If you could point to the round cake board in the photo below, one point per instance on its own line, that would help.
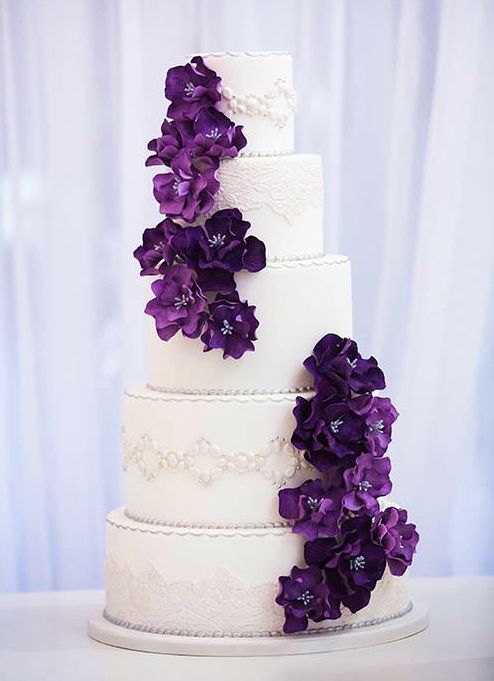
(412, 623)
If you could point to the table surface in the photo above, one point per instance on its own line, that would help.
(43, 637)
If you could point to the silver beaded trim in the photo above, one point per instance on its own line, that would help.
(227, 393)
(163, 394)
(203, 531)
(255, 634)
(209, 526)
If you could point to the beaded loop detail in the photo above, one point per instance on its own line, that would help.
(277, 104)
(277, 462)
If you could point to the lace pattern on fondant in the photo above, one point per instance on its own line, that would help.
(287, 190)
(220, 604)
(277, 462)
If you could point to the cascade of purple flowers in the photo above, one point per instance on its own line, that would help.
(344, 431)
(196, 292)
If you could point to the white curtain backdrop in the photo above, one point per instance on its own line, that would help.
(398, 97)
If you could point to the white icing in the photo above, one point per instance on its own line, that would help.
(248, 77)
(282, 198)
(218, 582)
(296, 303)
(232, 474)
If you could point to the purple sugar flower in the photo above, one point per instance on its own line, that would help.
(178, 304)
(328, 431)
(219, 249)
(397, 537)
(379, 419)
(190, 89)
(231, 326)
(368, 480)
(315, 508)
(337, 363)
(352, 563)
(157, 247)
(174, 138)
(216, 135)
(304, 596)
(186, 192)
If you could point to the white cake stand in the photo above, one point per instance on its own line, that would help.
(409, 624)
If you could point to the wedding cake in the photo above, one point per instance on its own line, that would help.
(254, 455)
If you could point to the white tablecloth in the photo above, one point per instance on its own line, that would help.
(43, 638)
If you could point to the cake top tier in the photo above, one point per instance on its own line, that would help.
(257, 92)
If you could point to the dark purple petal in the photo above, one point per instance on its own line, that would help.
(231, 326)
(178, 304)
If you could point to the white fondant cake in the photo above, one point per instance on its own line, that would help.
(199, 546)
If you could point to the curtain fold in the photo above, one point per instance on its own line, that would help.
(396, 96)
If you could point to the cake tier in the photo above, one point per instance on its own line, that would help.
(209, 460)
(214, 582)
(257, 92)
(282, 198)
(297, 302)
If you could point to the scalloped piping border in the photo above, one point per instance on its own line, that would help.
(261, 154)
(307, 262)
(164, 631)
(165, 395)
(271, 53)
(211, 392)
(203, 531)
(209, 526)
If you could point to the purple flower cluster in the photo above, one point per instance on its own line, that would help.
(195, 263)
(344, 431)
(192, 142)
(197, 293)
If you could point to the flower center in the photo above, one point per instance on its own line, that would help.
(189, 89)
(306, 597)
(217, 240)
(182, 301)
(176, 186)
(377, 425)
(335, 425)
(213, 134)
(158, 246)
(312, 503)
(352, 362)
(363, 486)
(227, 328)
(357, 563)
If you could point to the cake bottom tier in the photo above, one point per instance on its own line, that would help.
(202, 582)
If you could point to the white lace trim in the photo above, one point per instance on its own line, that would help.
(223, 604)
(277, 462)
(288, 189)
(164, 631)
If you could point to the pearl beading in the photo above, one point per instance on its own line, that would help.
(180, 524)
(200, 530)
(227, 393)
(256, 634)
(277, 104)
(277, 462)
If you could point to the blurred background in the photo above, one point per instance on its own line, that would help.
(398, 98)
